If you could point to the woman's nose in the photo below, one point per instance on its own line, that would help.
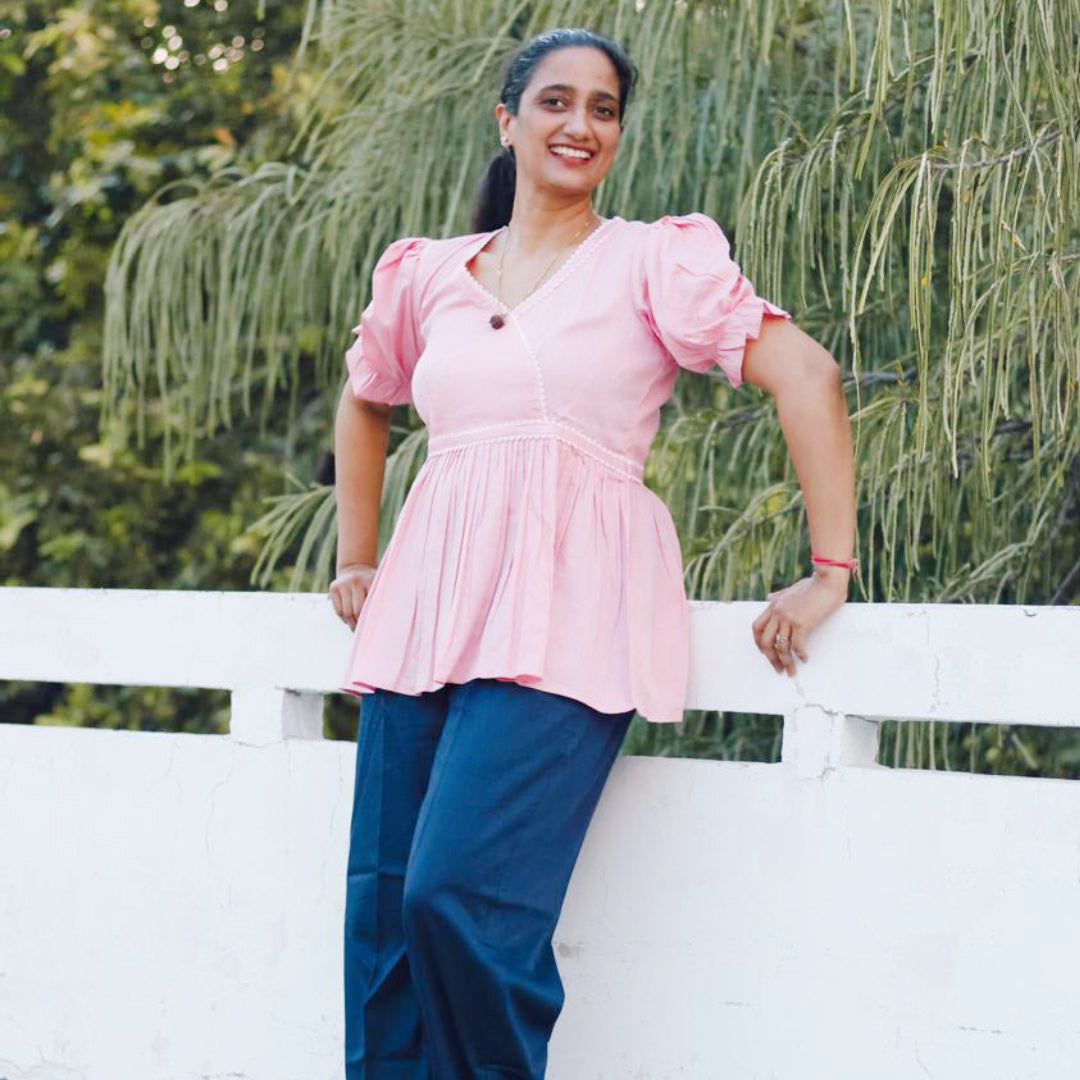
(577, 124)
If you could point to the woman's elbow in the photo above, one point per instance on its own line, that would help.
(826, 366)
(784, 357)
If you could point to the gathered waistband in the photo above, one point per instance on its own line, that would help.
(537, 429)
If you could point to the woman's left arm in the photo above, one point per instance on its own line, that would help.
(804, 380)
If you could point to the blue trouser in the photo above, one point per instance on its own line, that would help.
(470, 807)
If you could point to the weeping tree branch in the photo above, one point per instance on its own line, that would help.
(960, 272)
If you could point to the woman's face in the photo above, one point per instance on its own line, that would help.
(572, 102)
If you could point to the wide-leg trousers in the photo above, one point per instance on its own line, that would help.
(471, 803)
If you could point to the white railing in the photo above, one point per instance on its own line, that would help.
(172, 904)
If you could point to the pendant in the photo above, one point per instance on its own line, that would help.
(497, 320)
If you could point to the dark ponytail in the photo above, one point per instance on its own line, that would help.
(495, 194)
(494, 201)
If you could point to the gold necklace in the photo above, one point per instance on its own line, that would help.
(499, 319)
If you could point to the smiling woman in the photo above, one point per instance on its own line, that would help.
(531, 598)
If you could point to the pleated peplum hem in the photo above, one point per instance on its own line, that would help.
(521, 556)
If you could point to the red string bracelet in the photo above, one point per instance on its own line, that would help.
(851, 564)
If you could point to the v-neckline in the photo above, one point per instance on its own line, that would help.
(545, 286)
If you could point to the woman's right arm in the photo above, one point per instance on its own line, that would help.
(361, 436)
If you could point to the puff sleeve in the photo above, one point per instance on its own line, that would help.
(693, 296)
(388, 342)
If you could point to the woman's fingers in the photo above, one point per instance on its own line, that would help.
(798, 643)
(342, 601)
(349, 605)
(770, 623)
(759, 625)
(348, 598)
(783, 649)
(335, 600)
(766, 627)
(358, 590)
(792, 613)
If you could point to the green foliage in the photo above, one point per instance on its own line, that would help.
(91, 125)
(132, 708)
(862, 155)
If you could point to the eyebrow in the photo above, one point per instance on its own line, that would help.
(563, 86)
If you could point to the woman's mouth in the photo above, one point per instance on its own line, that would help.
(572, 156)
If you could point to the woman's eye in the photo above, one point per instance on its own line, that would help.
(604, 109)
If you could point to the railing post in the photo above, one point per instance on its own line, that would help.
(267, 714)
(817, 739)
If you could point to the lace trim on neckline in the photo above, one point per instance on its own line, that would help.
(546, 286)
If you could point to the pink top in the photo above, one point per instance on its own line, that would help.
(528, 548)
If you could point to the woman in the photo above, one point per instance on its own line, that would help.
(531, 597)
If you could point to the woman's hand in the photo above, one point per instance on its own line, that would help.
(792, 613)
(349, 590)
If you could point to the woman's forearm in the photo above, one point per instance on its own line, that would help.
(815, 422)
(361, 436)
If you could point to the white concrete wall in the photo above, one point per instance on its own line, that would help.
(172, 904)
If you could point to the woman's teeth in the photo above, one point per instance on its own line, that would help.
(564, 151)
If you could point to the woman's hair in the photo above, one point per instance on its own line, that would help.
(495, 193)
